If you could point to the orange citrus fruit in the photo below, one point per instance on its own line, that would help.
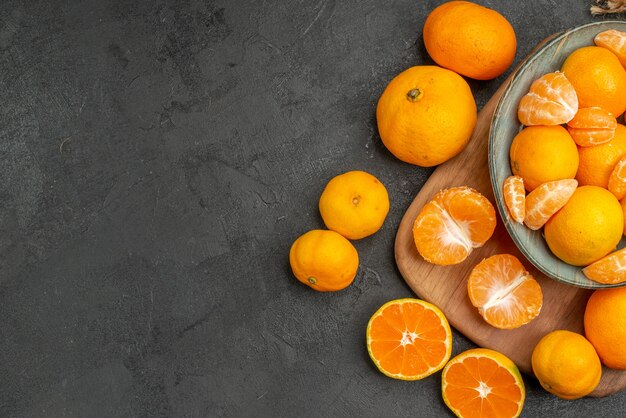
(409, 339)
(355, 204)
(506, 295)
(587, 228)
(426, 115)
(608, 270)
(469, 39)
(515, 197)
(551, 100)
(483, 383)
(452, 224)
(540, 154)
(546, 200)
(598, 77)
(614, 41)
(592, 126)
(324, 260)
(605, 325)
(596, 163)
(617, 179)
(566, 364)
(623, 205)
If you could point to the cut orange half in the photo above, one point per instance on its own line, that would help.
(551, 100)
(483, 383)
(451, 225)
(608, 270)
(506, 295)
(409, 339)
(592, 126)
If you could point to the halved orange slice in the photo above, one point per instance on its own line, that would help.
(610, 269)
(451, 225)
(592, 126)
(551, 100)
(409, 339)
(506, 295)
(483, 383)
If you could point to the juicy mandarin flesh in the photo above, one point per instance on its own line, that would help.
(605, 325)
(506, 295)
(551, 100)
(452, 224)
(482, 383)
(597, 163)
(587, 228)
(540, 154)
(546, 200)
(409, 339)
(515, 197)
(324, 260)
(426, 115)
(566, 364)
(608, 270)
(470, 39)
(355, 204)
(592, 126)
(598, 77)
(617, 179)
(614, 41)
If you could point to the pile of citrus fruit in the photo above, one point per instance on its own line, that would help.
(569, 166)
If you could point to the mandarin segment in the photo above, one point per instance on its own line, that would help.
(551, 100)
(409, 339)
(617, 179)
(506, 295)
(592, 126)
(452, 224)
(515, 197)
(483, 383)
(608, 270)
(614, 41)
(546, 200)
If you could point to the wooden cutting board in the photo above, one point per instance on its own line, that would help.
(563, 305)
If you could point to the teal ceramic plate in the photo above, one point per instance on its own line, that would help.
(504, 127)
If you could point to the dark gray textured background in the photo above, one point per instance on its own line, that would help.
(158, 158)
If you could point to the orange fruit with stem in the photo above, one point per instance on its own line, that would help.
(592, 126)
(598, 77)
(355, 204)
(540, 154)
(587, 228)
(566, 364)
(551, 100)
(409, 339)
(614, 41)
(483, 383)
(617, 179)
(546, 200)
(515, 197)
(452, 224)
(608, 270)
(506, 295)
(324, 260)
(605, 325)
(426, 115)
(595, 164)
(470, 39)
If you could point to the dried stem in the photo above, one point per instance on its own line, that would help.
(604, 7)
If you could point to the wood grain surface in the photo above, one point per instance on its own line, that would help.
(445, 286)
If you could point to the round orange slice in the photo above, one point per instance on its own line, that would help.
(409, 339)
(610, 269)
(546, 200)
(617, 179)
(515, 197)
(551, 100)
(592, 126)
(506, 295)
(451, 225)
(483, 383)
(614, 41)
